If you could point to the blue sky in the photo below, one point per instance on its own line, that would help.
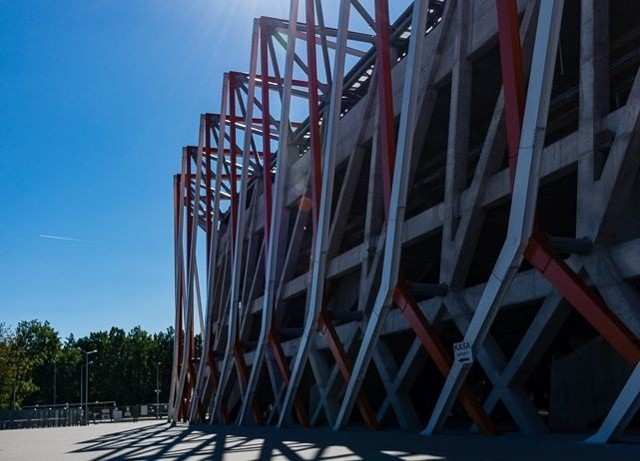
(96, 99)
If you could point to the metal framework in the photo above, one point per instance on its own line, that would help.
(349, 200)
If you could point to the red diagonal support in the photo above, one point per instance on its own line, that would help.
(440, 356)
(244, 377)
(345, 366)
(215, 379)
(324, 320)
(386, 130)
(402, 298)
(285, 372)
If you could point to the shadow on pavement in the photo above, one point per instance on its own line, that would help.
(181, 442)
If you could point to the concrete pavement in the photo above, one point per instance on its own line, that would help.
(154, 440)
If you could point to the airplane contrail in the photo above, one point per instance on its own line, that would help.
(57, 237)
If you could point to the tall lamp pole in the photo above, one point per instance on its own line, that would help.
(55, 383)
(157, 390)
(81, 385)
(86, 382)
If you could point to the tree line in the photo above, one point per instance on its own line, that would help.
(39, 368)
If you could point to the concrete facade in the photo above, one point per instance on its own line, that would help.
(302, 304)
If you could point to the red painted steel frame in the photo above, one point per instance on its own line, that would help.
(238, 353)
(538, 253)
(386, 133)
(285, 372)
(440, 356)
(512, 77)
(274, 341)
(402, 297)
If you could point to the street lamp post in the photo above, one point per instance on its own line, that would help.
(81, 385)
(55, 391)
(15, 379)
(86, 382)
(157, 390)
(55, 383)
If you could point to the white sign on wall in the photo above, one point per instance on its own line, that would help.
(462, 352)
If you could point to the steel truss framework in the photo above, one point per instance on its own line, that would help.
(325, 137)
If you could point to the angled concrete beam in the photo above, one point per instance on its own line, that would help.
(395, 214)
(522, 206)
(321, 245)
(272, 267)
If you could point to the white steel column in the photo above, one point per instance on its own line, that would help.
(395, 222)
(213, 252)
(239, 241)
(272, 271)
(523, 203)
(321, 246)
(191, 269)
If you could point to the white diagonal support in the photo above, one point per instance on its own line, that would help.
(191, 269)
(523, 203)
(395, 217)
(321, 244)
(239, 237)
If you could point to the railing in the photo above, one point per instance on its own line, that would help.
(73, 415)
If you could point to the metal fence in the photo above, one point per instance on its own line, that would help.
(40, 417)
(74, 415)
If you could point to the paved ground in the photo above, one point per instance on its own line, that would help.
(152, 440)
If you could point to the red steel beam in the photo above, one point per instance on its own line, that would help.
(345, 366)
(324, 320)
(215, 378)
(512, 77)
(285, 372)
(387, 143)
(441, 357)
(244, 377)
(586, 302)
(583, 299)
(386, 130)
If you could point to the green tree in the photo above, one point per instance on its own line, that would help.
(37, 350)
(8, 366)
(123, 369)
